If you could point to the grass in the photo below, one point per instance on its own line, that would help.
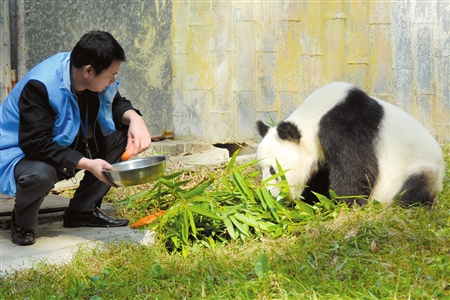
(376, 252)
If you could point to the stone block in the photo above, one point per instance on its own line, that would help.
(266, 81)
(244, 62)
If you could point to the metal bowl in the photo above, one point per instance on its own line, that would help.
(137, 171)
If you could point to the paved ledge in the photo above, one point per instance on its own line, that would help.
(176, 148)
(56, 244)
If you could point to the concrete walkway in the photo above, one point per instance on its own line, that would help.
(56, 244)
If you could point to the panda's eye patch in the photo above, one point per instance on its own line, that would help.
(272, 171)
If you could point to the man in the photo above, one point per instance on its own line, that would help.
(66, 115)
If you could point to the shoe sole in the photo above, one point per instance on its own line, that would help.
(76, 225)
(24, 244)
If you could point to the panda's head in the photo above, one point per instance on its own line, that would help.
(285, 144)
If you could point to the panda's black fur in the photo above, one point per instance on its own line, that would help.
(353, 129)
(355, 165)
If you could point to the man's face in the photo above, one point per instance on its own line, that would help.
(99, 82)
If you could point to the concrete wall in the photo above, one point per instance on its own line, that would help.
(5, 50)
(143, 28)
(235, 61)
(207, 70)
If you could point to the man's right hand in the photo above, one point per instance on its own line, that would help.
(96, 167)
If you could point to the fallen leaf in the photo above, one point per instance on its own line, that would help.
(163, 136)
(351, 233)
(373, 246)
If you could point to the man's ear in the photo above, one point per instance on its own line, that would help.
(88, 71)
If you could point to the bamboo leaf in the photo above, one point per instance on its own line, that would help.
(304, 207)
(280, 174)
(181, 183)
(184, 251)
(173, 175)
(232, 161)
(175, 241)
(278, 231)
(201, 211)
(239, 226)
(185, 228)
(167, 183)
(226, 183)
(131, 200)
(171, 213)
(192, 223)
(198, 189)
(281, 171)
(243, 186)
(296, 216)
(159, 193)
(246, 228)
(261, 197)
(230, 228)
(268, 199)
(250, 222)
(333, 194)
(136, 196)
(252, 174)
(325, 201)
(246, 165)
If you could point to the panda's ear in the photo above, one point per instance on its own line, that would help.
(289, 131)
(262, 128)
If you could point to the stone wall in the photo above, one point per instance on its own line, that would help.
(207, 70)
(238, 61)
(143, 28)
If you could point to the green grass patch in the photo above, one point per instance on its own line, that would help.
(330, 251)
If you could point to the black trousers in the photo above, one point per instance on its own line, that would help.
(35, 180)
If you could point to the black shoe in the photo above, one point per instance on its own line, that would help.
(20, 236)
(96, 218)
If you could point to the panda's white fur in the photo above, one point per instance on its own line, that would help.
(376, 150)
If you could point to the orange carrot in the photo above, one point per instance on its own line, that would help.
(148, 219)
(128, 153)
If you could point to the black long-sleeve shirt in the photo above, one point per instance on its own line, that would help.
(37, 119)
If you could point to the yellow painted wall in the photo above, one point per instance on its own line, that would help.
(236, 62)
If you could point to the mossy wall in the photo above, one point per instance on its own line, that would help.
(143, 28)
(235, 62)
(207, 70)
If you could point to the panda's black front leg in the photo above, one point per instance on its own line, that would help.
(319, 182)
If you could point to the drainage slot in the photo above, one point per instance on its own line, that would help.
(233, 147)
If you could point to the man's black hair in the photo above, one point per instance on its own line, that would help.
(97, 48)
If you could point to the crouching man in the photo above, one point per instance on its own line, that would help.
(66, 115)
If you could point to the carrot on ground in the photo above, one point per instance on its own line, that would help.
(147, 219)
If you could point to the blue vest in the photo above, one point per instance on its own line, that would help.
(54, 73)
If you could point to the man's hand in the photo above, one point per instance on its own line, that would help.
(96, 167)
(138, 134)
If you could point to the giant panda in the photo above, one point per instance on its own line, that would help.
(356, 145)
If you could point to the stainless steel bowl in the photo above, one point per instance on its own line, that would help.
(137, 171)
